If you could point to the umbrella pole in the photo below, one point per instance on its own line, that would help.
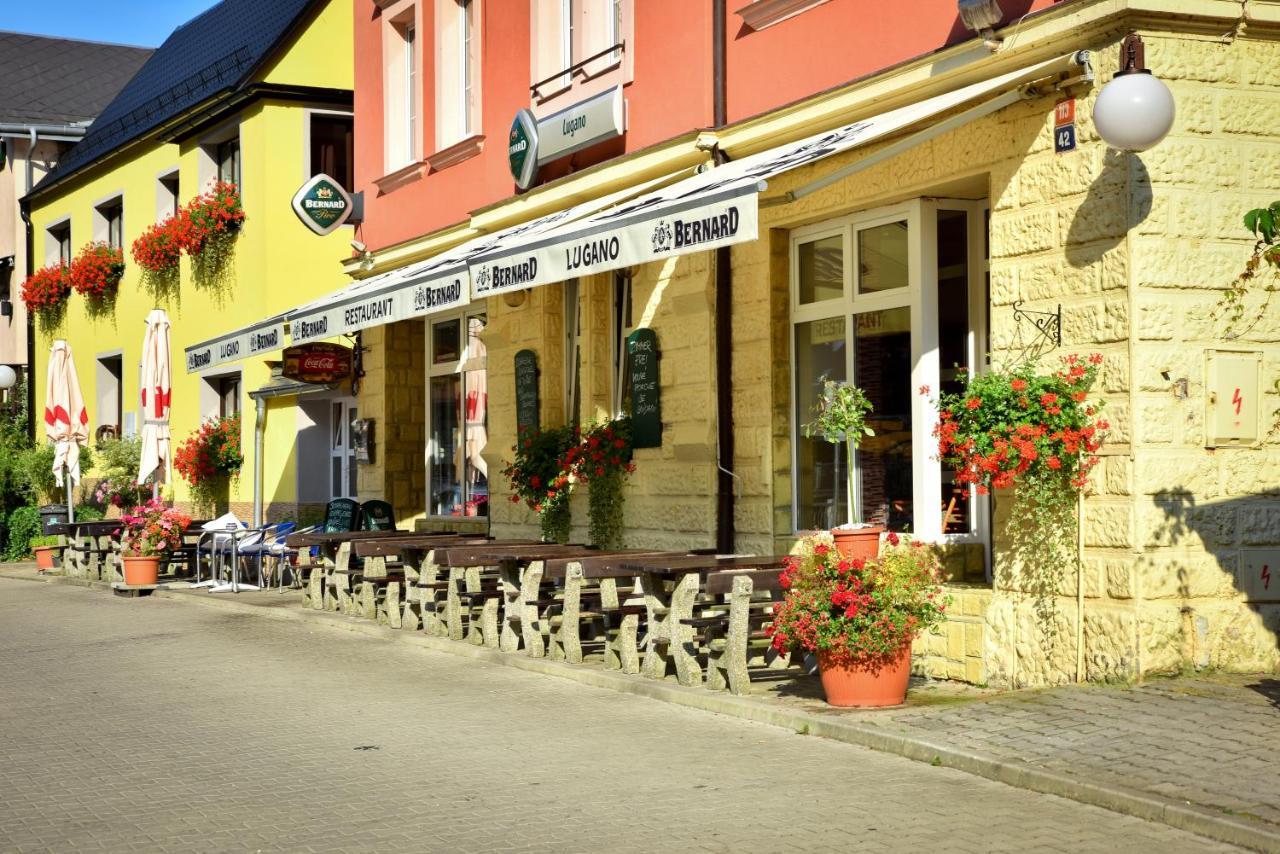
(71, 507)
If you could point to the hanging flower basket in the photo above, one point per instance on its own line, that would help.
(209, 459)
(157, 250)
(96, 272)
(46, 290)
(537, 479)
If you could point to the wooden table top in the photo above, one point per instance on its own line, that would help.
(383, 547)
(602, 564)
(321, 538)
(673, 566)
(94, 528)
(504, 550)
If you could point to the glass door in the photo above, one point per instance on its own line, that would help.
(343, 481)
(457, 417)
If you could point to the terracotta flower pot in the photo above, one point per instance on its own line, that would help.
(141, 570)
(44, 557)
(877, 683)
(856, 543)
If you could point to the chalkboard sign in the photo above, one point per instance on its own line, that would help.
(340, 515)
(527, 419)
(646, 389)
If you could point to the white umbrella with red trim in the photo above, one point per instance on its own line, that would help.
(66, 421)
(157, 394)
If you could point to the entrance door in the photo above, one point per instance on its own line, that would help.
(342, 456)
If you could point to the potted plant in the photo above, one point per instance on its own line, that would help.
(45, 549)
(859, 616)
(602, 460)
(840, 417)
(149, 532)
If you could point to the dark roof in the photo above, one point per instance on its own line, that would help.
(215, 52)
(54, 81)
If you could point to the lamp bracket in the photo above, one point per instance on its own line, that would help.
(1048, 324)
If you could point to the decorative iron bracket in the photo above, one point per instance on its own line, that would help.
(1048, 324)
(357, 359)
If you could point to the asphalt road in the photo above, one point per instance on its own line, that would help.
(155, 725)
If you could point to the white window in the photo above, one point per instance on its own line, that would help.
(457, 416)
(343, 482)
(579, 44)
(228, 158)
(621, 327)
(457, 71)
(58, 243)
(167, 198)
(572, 352)
(401, 86)
(890, 300)
(108, 222)
(109, 384)
(220, 395)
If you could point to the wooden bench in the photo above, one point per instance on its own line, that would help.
(730, 631)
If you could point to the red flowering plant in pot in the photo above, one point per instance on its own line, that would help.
(538, 479)
(1037, 434)
(840, 417)
(45, 293)
(96, 272)
(209, 459)
(148, 533)
(859, 615)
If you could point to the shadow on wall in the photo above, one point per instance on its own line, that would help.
(1103, 219)
(1241, 542)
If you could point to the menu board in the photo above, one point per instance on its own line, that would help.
(646, 389)
(527, 391)
(340, 516)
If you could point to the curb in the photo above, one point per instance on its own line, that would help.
(1178, 814)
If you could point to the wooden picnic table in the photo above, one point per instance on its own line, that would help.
(333, 548)
(91, 550)
(670, 585)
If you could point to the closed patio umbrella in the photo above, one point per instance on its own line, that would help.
(66, 421)
(157, 391)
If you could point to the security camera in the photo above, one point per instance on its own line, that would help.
(359, 247)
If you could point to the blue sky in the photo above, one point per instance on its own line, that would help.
(137, 22)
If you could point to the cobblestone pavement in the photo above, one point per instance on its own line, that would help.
(152, 725)
(1211, 741)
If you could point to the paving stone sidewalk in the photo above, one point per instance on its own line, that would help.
(154, 725)
(1211, 741)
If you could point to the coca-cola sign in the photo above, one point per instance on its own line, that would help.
(317, 363)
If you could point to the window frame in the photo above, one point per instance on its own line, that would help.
(220, 149)
(103, 221)
(920, 297)
(576, 26)
(165, 195)
(309, 169)
(465, 364)
(58, 246)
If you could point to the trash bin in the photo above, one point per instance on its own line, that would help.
(50, 515)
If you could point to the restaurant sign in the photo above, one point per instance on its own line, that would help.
(322, 204)
(317, 363)
(265, 338)
(432, 291)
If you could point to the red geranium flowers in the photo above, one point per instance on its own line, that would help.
(46, 289)
(96, 272)
(215, 213)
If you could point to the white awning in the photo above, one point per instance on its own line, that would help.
(434, 285)
(718, 207)
(262, 337)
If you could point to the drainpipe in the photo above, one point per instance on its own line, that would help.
(24, 209)
(259, 432)
(725, 498)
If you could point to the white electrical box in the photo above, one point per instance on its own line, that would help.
(1233, 381)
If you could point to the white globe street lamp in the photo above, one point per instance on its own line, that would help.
(1135, 111)
(8, 378)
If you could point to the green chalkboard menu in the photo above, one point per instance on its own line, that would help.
(527, 391)
(646, 389)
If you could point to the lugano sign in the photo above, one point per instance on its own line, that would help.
(622, 238)
(534, 142)
(263, 338)
(322, 204)
(436, 290)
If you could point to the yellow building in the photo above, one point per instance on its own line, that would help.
(254, 93)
